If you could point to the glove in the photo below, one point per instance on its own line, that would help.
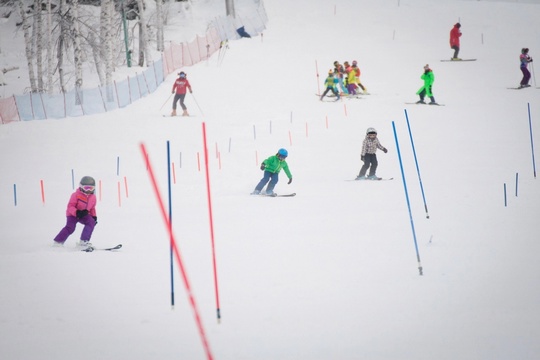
(385, 150)
(290, 181)
(362, 157)
(263, 166)
(81, 213)
(95, 219)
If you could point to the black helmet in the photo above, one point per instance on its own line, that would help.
(87, 185)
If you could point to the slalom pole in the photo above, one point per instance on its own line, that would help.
(407, 198)
(193, 96)
(532, 142)
(318, 83)
(178, 256)
(171, 260)
(211, 222)
(416, 162)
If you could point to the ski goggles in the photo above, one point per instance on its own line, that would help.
(88, 189)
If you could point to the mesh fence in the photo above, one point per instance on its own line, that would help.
(79, 102)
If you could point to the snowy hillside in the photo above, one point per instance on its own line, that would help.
(329, 274)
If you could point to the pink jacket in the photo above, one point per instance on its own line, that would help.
(81, 201)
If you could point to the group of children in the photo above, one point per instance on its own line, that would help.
(343, 80)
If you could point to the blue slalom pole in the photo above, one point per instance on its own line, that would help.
(532, 142)
(416, 162)
(407, 198)
(170, 221)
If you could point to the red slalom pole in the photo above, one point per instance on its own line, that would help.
(318, 85)
(42, 192)
(179, 261)
(211, 221)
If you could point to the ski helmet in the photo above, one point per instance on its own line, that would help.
(354, 62)
(282, 153)
(87, 184)
(331, 72)
(182, 74)
(371, 131)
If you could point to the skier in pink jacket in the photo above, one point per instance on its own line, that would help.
(81, 208)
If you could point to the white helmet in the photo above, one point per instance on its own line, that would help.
(371, 131)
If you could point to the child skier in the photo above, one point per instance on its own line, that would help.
(357, 75)
(180, 87)
(330, 84)
(338, 71)
(351, 78)
(81, 208)
(525, 59)
(271, 167)
(368, 156)
(427, 89)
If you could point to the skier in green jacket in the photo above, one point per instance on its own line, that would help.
(271, 167)
(427, 89)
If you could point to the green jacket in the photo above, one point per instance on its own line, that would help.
(274, 165)
(429, 79)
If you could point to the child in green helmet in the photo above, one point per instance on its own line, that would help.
(271, 167)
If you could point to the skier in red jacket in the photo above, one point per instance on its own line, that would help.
(455, 34)
(180, 86)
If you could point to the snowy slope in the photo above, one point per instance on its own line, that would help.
(329, 274)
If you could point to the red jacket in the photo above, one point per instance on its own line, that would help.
(180, 85)
(454, 36)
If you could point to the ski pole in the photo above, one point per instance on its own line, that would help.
(197, 104)
(534, 76)
(165, 102)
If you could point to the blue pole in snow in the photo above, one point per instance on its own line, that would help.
(170, 221)
(407, 198)
(416, 162)
(532, 142)
(15, 194)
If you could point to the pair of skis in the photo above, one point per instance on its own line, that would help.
(93, 248)
(276, 195)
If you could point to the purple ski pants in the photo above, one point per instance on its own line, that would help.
(88, 222)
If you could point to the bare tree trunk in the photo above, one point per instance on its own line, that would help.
(28, 46)
(77, 53)
(38, 31)
(159, 26)
(229, 7)
(106, 35)
(143, 38)
(96, 53)
(50, 50)
(63, 10)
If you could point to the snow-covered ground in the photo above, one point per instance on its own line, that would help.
(331, 273)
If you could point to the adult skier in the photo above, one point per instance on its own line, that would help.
(455, 34)
(180, 87)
